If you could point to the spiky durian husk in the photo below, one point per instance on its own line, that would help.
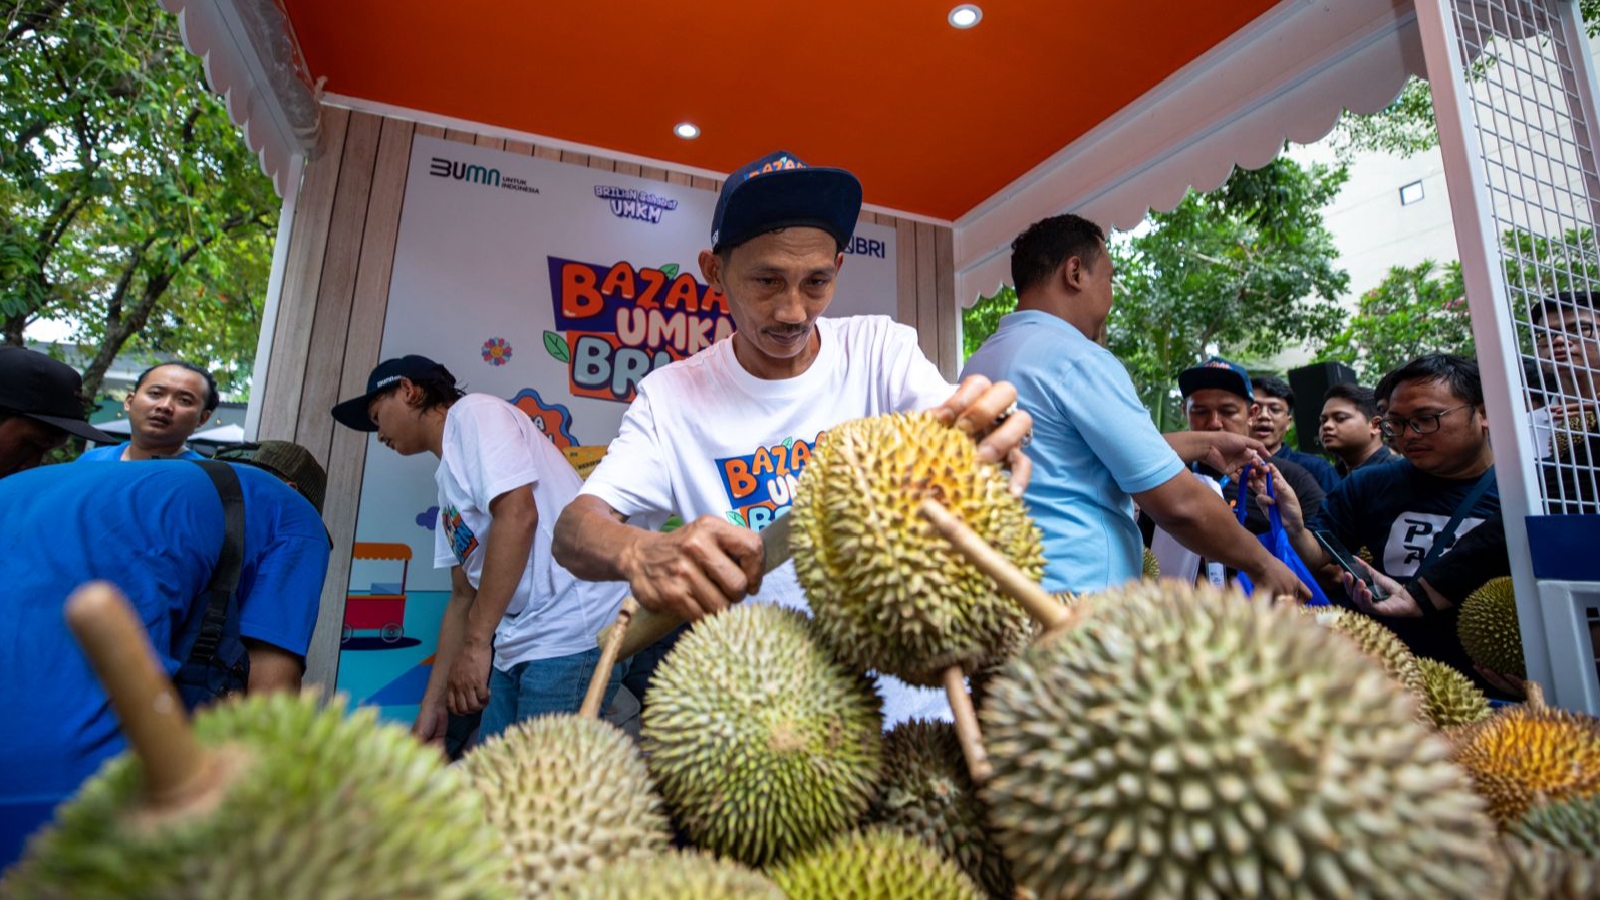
(570, 795)
(674, 876)
(1183, 743)
(887, 591)
(324, 803)
(1488, 628)
(1525, 755)
(1152, 566)
(762, 744)
(1449, 697)
(1540, 872)
(1571, 825)
(1375, 640)
(928, 794)
(874, 865)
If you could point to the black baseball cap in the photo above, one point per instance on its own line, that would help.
(47, 390)
(779, 191)
(1218, 373)
(352, 413)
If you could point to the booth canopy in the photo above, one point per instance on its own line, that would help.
(940, 123)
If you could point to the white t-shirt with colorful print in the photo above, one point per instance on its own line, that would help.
(704, 437)
(491, 447)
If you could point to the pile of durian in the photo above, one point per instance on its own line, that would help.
(1162, 741)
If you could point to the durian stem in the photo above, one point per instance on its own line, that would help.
(176, 767)
(608, 658)
(1535, 693)
(971, 737)
(1012, 581)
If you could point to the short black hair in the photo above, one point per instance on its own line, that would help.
(1363, 399)
(1273, 386)
(724, 251)
(212, 398)
(1048, 243)
(438, 389)
(1458, 373)
(1560, 300)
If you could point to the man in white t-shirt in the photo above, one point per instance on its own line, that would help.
(518, 635)
(720, 438)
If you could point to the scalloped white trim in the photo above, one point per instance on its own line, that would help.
(1286, 76)
(212, 32)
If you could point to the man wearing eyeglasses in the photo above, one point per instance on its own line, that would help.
(1410, 514)
(1566, 332)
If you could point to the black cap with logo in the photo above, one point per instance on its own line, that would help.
(352, 413)
(41, 388)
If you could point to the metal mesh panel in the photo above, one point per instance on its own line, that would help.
(1528, 91)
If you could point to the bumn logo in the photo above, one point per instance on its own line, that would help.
(461, 171)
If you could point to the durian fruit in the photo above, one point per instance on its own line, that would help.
(674, 876)
(1488, 628)
(887, 591)
(928, 794)
(1152, 566)
(1449, 697)
(323, 802)
(571, 796)
(874, 865)
(1375, 640)
(1181, 742)
(1541, 872)
(760, 741)
(1529, 754)
(1571, 825)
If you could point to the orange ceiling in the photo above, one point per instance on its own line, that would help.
(933, 120)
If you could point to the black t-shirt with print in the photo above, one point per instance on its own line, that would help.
(1395, 511)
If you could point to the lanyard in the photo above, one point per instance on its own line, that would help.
(1446, 536)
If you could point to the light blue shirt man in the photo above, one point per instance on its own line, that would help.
(1094, 446)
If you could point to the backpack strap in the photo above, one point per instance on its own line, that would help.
(225, 577)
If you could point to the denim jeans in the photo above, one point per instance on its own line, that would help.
(541, 687)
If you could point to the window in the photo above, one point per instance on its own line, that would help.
(1410, 193)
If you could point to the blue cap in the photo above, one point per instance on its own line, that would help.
(352, 413)
(780, 191)
(1218, 373)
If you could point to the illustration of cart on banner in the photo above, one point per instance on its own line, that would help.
(384, 607)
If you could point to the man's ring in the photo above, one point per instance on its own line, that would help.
(1005, 414)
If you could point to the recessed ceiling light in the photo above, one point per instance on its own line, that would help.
(686, 130)
(965, 16)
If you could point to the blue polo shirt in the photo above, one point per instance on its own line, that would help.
(113, 453)
(154, 529)
(1093, 446)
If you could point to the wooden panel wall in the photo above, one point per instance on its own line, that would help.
(336, 290)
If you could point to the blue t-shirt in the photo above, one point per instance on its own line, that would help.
(1396, 510)
(113, 453)
(1093, 446)
(1323, 471)
(155, 530)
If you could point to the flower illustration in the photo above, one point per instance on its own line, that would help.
(496, 352)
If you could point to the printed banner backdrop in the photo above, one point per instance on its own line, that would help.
(556, 287)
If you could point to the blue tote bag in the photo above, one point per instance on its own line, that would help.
(1277, 542)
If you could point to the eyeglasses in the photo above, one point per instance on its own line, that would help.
(1393, 426)
(1581, 331)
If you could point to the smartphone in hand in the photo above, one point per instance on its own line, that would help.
(1345, 560)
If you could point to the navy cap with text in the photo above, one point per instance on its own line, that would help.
(1219, 374)
(780, 191)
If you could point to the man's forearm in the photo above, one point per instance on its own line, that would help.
(505, 559)
(1191, 446)
(1206, 526)
(272, 668)
(452, 630)
(590, 541)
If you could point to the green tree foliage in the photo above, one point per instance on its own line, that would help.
(1248, 268)
(129, 205)
(1414, 310)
